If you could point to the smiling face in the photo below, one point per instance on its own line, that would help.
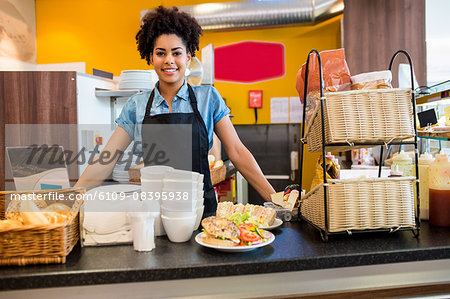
(170, 60)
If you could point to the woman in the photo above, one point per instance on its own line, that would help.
(168, 39)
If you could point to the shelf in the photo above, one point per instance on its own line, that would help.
(435, 93)
(434, 135)
(115, 93)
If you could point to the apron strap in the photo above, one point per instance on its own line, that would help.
(193, 100)
(150, 102)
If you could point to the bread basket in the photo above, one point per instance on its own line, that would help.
(39, 244)
(361, 204)
(363, 116)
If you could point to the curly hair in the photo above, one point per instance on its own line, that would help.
(164, 20)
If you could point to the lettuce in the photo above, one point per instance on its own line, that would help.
(239, 218)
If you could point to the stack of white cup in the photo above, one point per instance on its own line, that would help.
(178, 195)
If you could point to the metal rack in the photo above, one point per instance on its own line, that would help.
(325, 232)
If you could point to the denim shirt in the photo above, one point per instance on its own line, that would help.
(210, 105)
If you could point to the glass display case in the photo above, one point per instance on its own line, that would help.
(435, 97)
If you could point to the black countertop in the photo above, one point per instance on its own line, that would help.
(297, 247)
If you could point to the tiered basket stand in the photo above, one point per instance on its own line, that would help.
(361, 205)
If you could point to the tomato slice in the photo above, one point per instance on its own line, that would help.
(249, 236)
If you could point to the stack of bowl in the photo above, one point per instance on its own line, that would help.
(178, 196)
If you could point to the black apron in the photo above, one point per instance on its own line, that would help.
(200, 144)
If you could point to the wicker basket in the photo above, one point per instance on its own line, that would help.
(380, 115)
(361, 204)
(39, 244)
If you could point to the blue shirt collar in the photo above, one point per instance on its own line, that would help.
(182, 94)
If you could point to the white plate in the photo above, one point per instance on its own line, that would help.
(275, 224)
(270, 239)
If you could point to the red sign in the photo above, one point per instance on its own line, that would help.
(249, 62)
(255, 99)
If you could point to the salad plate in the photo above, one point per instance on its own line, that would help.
(269, 239)
(278, 222)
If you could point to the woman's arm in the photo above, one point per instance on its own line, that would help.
(241, 157)
(97, 172)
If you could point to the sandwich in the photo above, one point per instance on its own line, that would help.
(259, 215)
(220, 231)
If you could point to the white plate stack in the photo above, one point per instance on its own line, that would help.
(120, 174)
(138, 79)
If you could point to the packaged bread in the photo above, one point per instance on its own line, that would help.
(372, 80)
(256, 214)
(336, 74)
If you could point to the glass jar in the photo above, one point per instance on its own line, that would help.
(439, 192)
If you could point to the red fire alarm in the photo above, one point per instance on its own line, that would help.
(255, 99)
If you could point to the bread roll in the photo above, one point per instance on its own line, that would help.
(57, 207)
(10, 223)
(31, 214)
(56, 217)
(219, 242)
(221, 227)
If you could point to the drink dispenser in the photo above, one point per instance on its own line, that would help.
(439, 192)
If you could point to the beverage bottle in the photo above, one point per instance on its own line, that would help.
(439, 192)
(395, 173)
(424, 162)
(405, 164)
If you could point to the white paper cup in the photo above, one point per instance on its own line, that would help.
(179, 229)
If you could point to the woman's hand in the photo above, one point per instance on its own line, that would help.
(242, 159)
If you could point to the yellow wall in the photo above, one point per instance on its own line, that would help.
(102, 34)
